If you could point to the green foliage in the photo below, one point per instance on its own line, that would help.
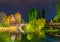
(22, 20)
(51, 31)
(29, 36)
(2, 17)
(4, 37)
(57, 17)
(32, 14)
(34, 28)
(4, 25)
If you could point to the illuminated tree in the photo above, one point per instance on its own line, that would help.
(34, 28)
(18, 17)
(57, 17)
(2, 17)
(32, 14)
(7, 20)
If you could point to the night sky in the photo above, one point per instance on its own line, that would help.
(23, 6)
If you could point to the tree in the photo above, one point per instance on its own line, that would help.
(57, 17)
(18, 17)
(34, 28)
(2, 17)
(7, 20)
(32, 14)
(43, 13)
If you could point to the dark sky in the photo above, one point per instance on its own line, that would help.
(23, 6)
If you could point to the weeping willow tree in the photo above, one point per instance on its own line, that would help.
(57, 17)
(32, 14)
